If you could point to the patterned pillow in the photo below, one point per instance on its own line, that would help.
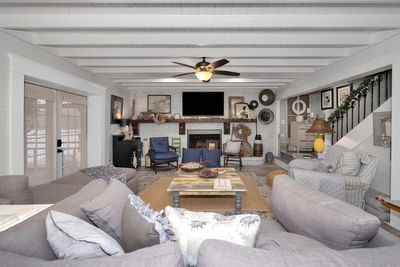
(192, 228)
(72, 238)
(349, 163)
(233, 147)
(161, 223)
(106, 173)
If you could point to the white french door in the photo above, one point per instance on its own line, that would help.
(55, 133)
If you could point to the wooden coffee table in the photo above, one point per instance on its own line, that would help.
(190, 184)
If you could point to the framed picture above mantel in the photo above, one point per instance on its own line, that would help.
(159, 103)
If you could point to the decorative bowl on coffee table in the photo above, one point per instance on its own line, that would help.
(191, 166)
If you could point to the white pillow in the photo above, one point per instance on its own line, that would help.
(72, 238)
(349, 163)
(192, 228)
(233, 147)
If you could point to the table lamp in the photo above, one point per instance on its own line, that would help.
(319, 127)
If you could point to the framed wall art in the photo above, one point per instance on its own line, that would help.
(117, 104)
(342, 93)
(159, 103)
(232, 100)
(242, 110)
(327, 99)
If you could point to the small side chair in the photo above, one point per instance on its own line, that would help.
(162, 153)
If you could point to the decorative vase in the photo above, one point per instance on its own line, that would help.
(258, 147)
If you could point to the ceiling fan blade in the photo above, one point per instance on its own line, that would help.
(227, 73)
(187, 73)
(218, 63)
(185, 65)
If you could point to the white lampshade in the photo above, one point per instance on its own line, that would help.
(203, 75)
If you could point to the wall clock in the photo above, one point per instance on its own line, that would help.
(266, 97)
(266, 116)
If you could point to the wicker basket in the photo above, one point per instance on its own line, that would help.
(186, 167)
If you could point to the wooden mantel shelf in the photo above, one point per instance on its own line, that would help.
(182, 123)
(198, 120)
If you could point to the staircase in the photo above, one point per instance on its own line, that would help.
(379, 89)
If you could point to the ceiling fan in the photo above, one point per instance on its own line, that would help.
(204, 70)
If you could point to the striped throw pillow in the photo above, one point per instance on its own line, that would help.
(349, 163)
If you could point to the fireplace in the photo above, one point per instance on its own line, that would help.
(207, 139)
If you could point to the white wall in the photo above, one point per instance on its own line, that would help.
(371, 60)
(361, 138)
(268, 132)
(20, 61)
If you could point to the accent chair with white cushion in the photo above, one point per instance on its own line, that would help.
(344, 174)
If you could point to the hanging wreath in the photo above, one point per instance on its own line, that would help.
(354, 96)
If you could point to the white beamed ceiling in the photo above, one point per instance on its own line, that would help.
(133, 43)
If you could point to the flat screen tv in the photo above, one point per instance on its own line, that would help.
(203, 103)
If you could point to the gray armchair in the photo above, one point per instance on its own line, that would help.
(14, 189)
(321, 175)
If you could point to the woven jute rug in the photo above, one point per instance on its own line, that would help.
(253, 200)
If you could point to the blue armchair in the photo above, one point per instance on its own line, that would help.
(211, 158)
(160, 153)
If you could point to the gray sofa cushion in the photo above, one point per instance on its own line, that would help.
(29, 237)
(53, 192)
(214, 253)
(15, 188)
(335, 223)
(161, 255)
(105, 210)
(137, 232)
(287, 242)
(76, 178)
(73, 238)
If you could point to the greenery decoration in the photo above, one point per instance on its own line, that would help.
(354, 96)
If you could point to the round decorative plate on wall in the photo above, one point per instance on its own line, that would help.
(266, 97)
(266, 116)
(253, 104)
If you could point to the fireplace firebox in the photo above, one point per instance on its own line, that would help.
(207, 139)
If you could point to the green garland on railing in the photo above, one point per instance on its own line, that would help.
(354, 96)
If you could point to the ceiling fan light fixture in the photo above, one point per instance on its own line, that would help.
(203, 75)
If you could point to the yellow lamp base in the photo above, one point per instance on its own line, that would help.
(319, 144)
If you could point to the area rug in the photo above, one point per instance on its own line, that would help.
(256, 200)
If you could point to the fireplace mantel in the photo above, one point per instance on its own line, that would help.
(182, 123)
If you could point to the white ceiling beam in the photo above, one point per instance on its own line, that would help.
(202, 1)
(189, 80)
(201, 52)
(196, 82)
(275, 75)
(181, 69)
(162, 62)
(201, 39)
(281, 21)
(201, 84)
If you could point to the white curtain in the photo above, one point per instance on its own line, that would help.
(39, 133)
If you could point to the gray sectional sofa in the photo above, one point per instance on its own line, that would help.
(310, 229)
(14, 189)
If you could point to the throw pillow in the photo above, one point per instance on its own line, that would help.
(105, 210)
(233, 147)
(161, 223)
(72, 238)
(106, 173)
(333, 154)
(137, 232)
(349, 163)
(192, 228)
